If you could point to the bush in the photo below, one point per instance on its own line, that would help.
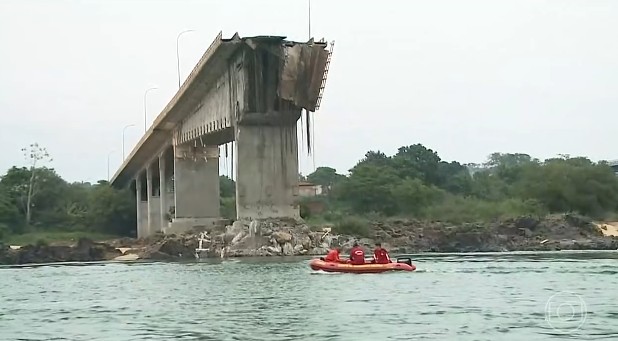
(228, 208)
(456, 209)
(4, 231)
(354, 226)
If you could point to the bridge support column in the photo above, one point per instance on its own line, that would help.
(154, 206)
(141, 207)
(196, 187)
(163, 197)
(267, 171)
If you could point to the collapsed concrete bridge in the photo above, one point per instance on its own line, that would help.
(248, 90)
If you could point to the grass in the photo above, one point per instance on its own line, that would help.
(54, 237)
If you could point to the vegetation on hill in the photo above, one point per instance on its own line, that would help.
(414, 182)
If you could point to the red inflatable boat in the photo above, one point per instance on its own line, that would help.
(369, 268)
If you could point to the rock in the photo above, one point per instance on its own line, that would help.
(228, 237)
(527, 223)
(277, 237)
(304, 242)
(127, 257)
(366, 242)
(288, 249)
(298, 249)
(525, 232)
(282, 237)
(254, 228)
(85, 250)
(236, 227)
(274, 250)
(238, 237)
(8, 255)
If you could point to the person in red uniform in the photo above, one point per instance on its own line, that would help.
(380, 255)
(333, 256)
(357, 255)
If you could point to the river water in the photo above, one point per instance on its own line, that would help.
(502, 296)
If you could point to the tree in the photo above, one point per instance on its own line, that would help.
(48, 193)
(374, 158)
(34, 155)
(227, 187)
(110, 210)
(412, 196)
(417, 161)
(454, 177)
(9, 214)
(368, 189)
(325, 176)
(571, 184)
(508, 160)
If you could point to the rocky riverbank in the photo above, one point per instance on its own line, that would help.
(289, 238)
(84, 250)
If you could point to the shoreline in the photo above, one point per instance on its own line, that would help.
(275, 238)
(261, 259)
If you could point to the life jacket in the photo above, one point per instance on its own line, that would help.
(381, 256)
(357, 256)
(332, 256)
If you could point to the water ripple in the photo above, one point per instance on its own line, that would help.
(454, 297)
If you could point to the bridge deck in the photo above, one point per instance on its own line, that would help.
(210, 66)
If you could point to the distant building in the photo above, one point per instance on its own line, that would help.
(307, 189)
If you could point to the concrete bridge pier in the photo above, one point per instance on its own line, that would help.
(196, 187)
(164, 202)
(267, 169)
(142, 205)
(154, 203)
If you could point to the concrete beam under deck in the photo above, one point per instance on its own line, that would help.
(210, 66)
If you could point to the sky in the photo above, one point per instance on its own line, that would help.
(464, 78)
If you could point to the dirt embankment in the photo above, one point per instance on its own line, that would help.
(288, 237)
(609, 229)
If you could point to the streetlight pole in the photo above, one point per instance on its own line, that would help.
(146, 93)
(108, 155)
(309, 19)
(178, 54)
(123, 130)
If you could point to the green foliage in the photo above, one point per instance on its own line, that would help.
(458, 209)
(228, 207)
(412, 195)
(4, 231)
(58, 206)
(107, 210)
(325, 176)
(227, 187)
(416, 182)
(368, 189)
(10, 220)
